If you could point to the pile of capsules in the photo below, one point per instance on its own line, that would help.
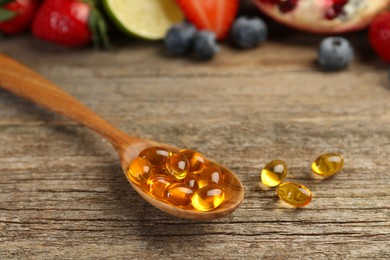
(184, 179)
(295, 194)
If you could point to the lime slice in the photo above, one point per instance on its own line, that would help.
(148, 19)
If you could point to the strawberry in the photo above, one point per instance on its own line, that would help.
(16, 15)
(71, 23)
(379, 34)
(213, 15)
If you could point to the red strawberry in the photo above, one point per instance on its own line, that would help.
(16, 15)
(380, 35)
(72, 23)
(213, 15)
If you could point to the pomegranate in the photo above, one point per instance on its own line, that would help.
(323, 16)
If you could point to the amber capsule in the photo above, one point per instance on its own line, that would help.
(180, 195)
(178, 166)
(139, 170)
(274, 173)
(155, 155)
(157, 185)
(328, 164)
(196, 159)
(295, 194)
(208, 198)
(159, 169)
(211, 175)
(191, 181)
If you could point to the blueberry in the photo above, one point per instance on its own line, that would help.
(178, 40)
(248, 32)
(205, 45)
(335, 53)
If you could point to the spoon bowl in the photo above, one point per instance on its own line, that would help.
(26, 83)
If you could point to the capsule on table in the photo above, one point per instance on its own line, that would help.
(211, 175)
(295, 194)
(139, 170)
(180, 195)
(155, 155)
(191, 180)
(274, 173)
(328, 164)
(177, 166)
(157, 185)
(208, 198)
(196, 159)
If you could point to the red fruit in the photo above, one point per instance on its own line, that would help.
(323, 16)
(213, 15)
(72, 23)
(16, 15)
(380, 35)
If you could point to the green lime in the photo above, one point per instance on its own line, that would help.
(148, 19)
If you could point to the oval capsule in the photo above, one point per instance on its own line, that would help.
(157, 185)
(191, 181)
(178, 166)
(328, 164)
(139, 170)
(159, 169)
(208, 198)
(155, 155)
(295, 194)
(180, 195)
(274, 173)
(196, 159)
(211, 175)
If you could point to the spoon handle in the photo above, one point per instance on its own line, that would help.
(26, 83)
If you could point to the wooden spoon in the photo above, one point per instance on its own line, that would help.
(26, 83)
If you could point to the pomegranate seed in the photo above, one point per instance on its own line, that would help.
(272, 2)
(336, 9)
(287, 5)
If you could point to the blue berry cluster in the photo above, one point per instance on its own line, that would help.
(183, 38)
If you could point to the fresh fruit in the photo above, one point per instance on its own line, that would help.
(335, 53)
(205, 45)
(248, 32)
(16, 15)
(72, 23)
(380, 35)
(148, 19)
(323, 16)
(212, 15)
(179, 38)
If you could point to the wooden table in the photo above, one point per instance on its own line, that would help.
(63, 195)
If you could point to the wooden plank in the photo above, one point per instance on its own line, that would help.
(62, 193)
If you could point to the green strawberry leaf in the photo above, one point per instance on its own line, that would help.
(6, 15)
(98, 27)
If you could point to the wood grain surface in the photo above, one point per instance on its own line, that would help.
(63, 195)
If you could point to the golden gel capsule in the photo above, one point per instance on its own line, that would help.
(157, 185)
(197, 161)
(328, 164)
(191, 181)
(208, 198)
(178, 166)
(180, 195)
(274, 173)
(211, 175)
(155, 155)
(139, 170)
(159, 169)
(295, 194)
